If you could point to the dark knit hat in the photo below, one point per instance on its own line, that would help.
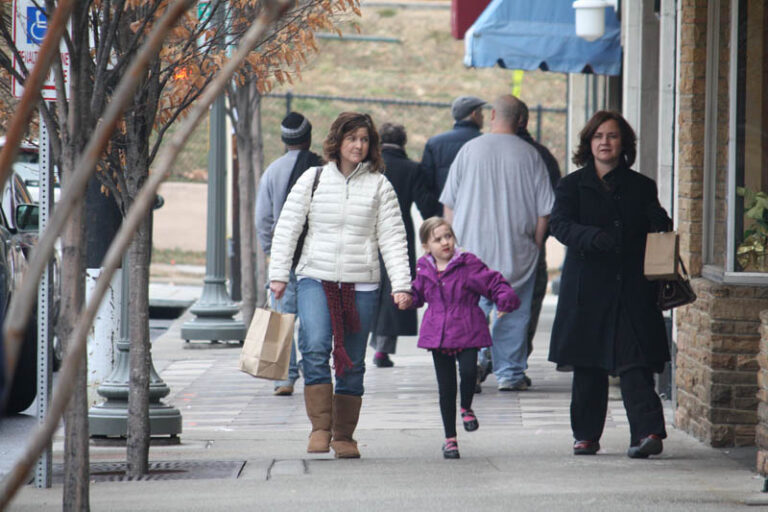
(465, 105)
(295, 129)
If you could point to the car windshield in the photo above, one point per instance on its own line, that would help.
(27, 157)
(20, 193)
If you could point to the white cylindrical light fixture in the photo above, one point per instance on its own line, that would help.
(590, 18)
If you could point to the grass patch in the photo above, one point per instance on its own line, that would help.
(427, 66)
(177, 257)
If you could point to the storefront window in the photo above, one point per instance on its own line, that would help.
(751, 158)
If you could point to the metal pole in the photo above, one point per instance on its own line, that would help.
(110, 418)
(215, 310)
(44, 356)
(288, 101)
(538, 122)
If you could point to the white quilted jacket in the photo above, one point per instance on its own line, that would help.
(350, 221)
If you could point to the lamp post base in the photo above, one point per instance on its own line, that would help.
(110, 419)
(213, 329)
(214, 314)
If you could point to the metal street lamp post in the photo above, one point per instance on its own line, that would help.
(110, 419)
(215, 310)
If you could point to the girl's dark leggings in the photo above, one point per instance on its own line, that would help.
(445, 370)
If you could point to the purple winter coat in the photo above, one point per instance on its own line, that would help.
(453, 319)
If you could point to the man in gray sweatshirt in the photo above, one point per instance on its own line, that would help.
(275, 183)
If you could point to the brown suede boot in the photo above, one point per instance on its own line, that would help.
(346, 411)
(319, 402)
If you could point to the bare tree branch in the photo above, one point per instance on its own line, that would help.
(16, 129)
(140, 208)
(22, 303)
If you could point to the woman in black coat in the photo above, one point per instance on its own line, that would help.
(607, 319)
(408, 180)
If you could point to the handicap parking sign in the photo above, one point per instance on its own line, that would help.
(30, 26)
(37, 25)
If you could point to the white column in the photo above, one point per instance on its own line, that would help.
(666, 112)
(104, 333)
(640, 37)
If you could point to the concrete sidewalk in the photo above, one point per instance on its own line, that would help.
(519, 459)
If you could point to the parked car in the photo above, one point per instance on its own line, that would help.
(12, 264)
(19, 220)
(27, 167)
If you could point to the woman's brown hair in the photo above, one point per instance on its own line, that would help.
(348, 122)
(430, 225)
(583, 154)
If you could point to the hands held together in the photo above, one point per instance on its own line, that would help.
(402, 299)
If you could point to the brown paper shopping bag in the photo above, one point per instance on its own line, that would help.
(661, 256)
(267, 347)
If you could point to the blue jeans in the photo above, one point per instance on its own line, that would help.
(316, 338)
(288, 305)
(509, 333)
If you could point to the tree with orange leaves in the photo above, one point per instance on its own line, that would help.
(104, 37)
(280, 61)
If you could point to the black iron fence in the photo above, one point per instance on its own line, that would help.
(422, 119)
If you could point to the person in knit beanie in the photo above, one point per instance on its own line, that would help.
(296, 130)
(277, 181)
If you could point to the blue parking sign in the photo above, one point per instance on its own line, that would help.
(37, 25)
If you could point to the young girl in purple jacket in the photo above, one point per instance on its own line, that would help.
(454, 327)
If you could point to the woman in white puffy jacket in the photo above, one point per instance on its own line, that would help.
(351, 213)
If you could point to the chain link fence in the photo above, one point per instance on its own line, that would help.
(422, 119)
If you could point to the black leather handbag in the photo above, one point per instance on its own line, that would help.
(676, 292)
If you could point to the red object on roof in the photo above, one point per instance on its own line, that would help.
(463, 15)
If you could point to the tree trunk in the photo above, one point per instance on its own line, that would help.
(74, 129)
(76, 459)
(248, 102)
(138, 399)
(257, 168)
(235, 267)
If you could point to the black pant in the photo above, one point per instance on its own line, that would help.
(445, 369)
(539, 291)
(589, 401)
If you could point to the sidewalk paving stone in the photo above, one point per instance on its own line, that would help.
(519, 459)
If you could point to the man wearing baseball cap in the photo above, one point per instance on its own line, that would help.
(277, 181)
(498, 197)
(467, 112)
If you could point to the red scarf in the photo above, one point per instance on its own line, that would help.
(341, 305)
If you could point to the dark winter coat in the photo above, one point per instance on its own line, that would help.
(440, 151)
(603, 275)
(453, 319)
(553, 168)
(407, 178)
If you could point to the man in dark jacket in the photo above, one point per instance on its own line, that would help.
(408, 180)
(442, 148)
(275, 183)
(553, 170)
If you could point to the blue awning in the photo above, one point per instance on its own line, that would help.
(521, 34)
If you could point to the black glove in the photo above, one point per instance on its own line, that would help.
(657, 217)
(603, 242)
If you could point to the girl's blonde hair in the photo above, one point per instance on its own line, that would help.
(430, 225)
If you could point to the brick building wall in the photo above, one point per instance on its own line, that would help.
(718, 343)
(762, 409)
(718, 338)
